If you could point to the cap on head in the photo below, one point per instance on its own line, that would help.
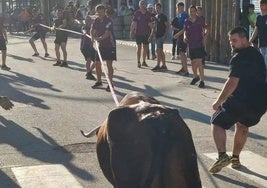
(150, 6)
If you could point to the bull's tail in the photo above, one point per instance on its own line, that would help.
(91, 133)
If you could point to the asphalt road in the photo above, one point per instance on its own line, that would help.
(52, 105)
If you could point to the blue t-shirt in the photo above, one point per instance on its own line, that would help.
(178, 22)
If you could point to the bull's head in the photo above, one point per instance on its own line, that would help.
(150, 146)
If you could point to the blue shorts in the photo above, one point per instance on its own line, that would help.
(159, 43)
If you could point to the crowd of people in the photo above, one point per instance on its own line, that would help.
(242, 101)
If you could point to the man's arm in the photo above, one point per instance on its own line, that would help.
(254, 34)
(229, 87)
(133, 29)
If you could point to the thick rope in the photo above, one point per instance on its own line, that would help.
(100, 57)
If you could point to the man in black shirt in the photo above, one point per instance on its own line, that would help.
(242, 100)
(162, 27)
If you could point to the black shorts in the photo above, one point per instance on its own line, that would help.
(61, 39)
(107, 53)
(89, 52)
(234, 111)
(197, 53)
(2, 44)
(181, 46)
(141, 39)
(38, 35)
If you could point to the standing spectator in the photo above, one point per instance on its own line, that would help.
(40, 32)
(242, 100)
(252, 18)
(102, 32)
(61, 37)
(79, 14)
(150, 9)
(141, 26)
(181, 45)
(162, 27)
(205, 34)
(53, 15)
(25, 17)
(87, 48)
(3, 42)
(194, 27)
(260, 30)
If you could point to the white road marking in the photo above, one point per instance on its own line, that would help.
(45, 176)
(254, 166)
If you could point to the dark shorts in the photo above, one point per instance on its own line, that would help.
(38, 35)
(197, 53)
(107, 53)
(181, 46)
(141, 39)
(2, 44)
(89, 52)
(61, 39)
(234, 111)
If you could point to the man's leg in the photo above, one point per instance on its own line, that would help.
(219, 137)
(64, 50)
(31, 41)
(57, 51)
(44, 45)
(240, 138)
(183, 61)
(145, 47)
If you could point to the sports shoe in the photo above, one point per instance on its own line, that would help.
(201, 84)
(184, 73)
(35, 54)
(144, 64)
(223, 161)
(108, 88)
(4, 67)
(154, 57)
(90, 76)
(194, 81)
(235, 162)
(163, 68)
(156, 68)
(46, 54)
(58, 63)
(173, 57)
(180, 71)
(96, 85)
(64, 64)
(138, 64)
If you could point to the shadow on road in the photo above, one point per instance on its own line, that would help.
(42, 149)
(17, 95)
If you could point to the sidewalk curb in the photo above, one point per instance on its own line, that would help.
(133, 44)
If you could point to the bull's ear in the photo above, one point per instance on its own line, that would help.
(122, 122)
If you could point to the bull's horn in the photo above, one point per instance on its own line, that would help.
(91, 133)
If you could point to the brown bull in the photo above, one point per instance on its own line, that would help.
(144, 144)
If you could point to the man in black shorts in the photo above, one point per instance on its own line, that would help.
(40, 33)
(242, 100)
(61, 37)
